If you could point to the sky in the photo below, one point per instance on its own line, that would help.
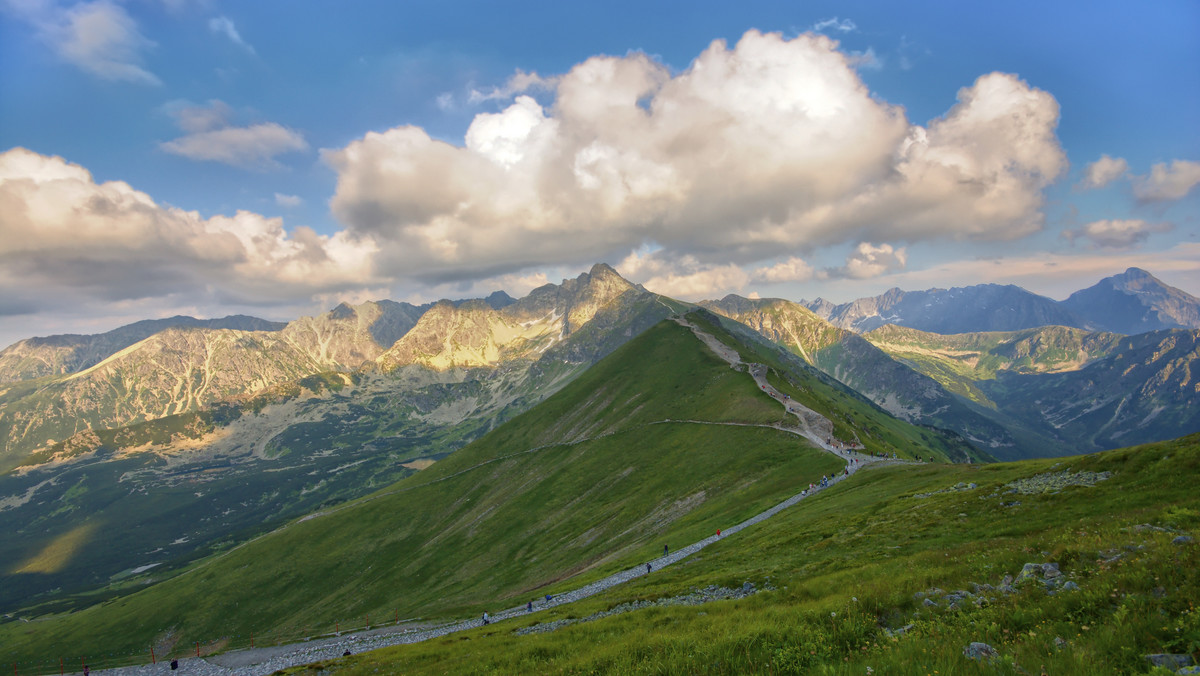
(274, 158)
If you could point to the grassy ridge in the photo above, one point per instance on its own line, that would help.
(853, 416)
(850, 563)
(590, 481)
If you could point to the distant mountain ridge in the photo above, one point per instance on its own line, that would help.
(1133, 302)
(68, 353)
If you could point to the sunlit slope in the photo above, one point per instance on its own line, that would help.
(591, 480)
(863, 577)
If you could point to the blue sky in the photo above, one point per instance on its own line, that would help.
(206, 157)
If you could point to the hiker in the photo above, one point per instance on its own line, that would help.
(718, 532)
(346, 653)
(647, 568)
(86, 671)
(174, 664)
(529, 607)
(485, 617)
(548, 598)
(665, 550)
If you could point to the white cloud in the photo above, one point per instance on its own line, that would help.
(196, 118)
(867, 60)
(288, 201)
(791, 270)
(223, 25)
(209, 137)
(868, 261)
(97, 37)
(1104, 171)
(519, 83)
(67, 241)
(840, 25)
(1117, 234)
(684, 278)
(1165, 183)
(771, 148)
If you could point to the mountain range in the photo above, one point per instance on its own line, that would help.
(197, 435)
(694, 424)
(1132, 302)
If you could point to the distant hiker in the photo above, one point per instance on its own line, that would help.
(647, 568)
(485, 617)
(347, 653)
(665, 550)
(529, 607)
(718, 532)
(86, 671)
(548, 597)
(174, 665)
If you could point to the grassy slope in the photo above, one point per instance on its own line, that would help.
(848, 563)
(960, 361)
(491, 523)
(853, 416)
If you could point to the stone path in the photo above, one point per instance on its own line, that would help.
(262, 661)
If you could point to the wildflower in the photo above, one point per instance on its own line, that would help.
(833, 614)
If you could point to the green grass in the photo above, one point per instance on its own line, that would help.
(846, 565)
(591, 481)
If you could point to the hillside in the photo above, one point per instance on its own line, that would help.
(959, 361)
(856, 362)
(622, 459)
(1077, 391)
(185, 485)
(1072, 566)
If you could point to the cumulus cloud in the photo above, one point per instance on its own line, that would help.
(1117, 234)
(210, 137)
(791, 270)
(869, 260)
(98, 37)
(223, 25)
(770, 148)
(685, 278)
(1165, 183)
(67, 238)
(1104, 171)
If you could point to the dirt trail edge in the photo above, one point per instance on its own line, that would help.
(262, 661)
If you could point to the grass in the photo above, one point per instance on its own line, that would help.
(846, 565)
(592, 481)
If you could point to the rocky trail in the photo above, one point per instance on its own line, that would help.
(266, 660)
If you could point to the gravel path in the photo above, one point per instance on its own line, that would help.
(262, 661)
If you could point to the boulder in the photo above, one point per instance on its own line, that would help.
(980, 651)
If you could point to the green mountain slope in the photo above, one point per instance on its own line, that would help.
(599, 476)
(959, 361)
(896, 571)
(848, 357)
(177, 488)
(1077, 391)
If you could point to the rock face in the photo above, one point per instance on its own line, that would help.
(180, 369)
(1135, 302)
(485, 333)
(59, 355)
